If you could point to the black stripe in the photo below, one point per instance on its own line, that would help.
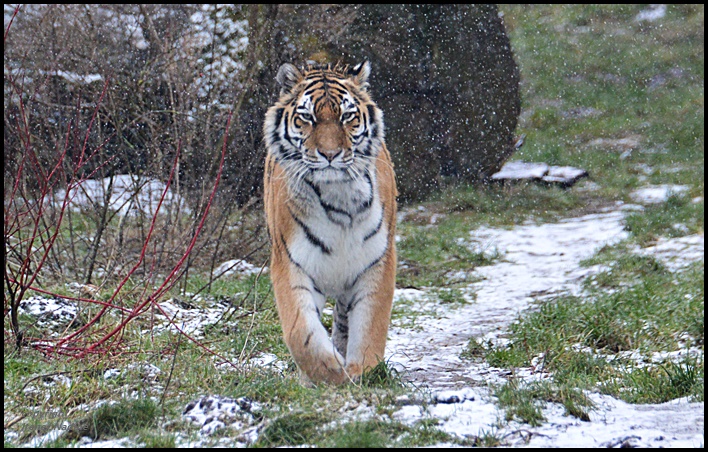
(368, 267)
(367, 204)
(376, 229)
(360, 136)
(372, 120)
(314, 188)
(367, 151)
(310, 91)
(328, 85)
(286, 135)
(307, 341)
(333, 83)
(316, 100)
(372, 112)
(288, 155)
(314, 286)
(290, 256)
(338, 306)
(313, 82)
(310, 236)
(341, 90)
(278, 118)
(349, 304)
(327, 207)
(354, 302)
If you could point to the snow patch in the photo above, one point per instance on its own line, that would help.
(678, 252)
(129, 195)
(188, 318)
(563, 175)
(651, 14)
(50, 312)
(239, 266)
(655, 194)
(213, 413)
(268, 360)
(616, 423)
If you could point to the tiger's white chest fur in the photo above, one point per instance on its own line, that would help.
(340, 231)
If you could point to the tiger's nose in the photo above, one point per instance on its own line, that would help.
(329, 155)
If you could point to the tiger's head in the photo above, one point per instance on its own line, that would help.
(324, 125)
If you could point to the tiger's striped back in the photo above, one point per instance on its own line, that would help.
(330, 201)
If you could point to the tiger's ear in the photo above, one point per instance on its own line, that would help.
(360, 74)
(288, 76)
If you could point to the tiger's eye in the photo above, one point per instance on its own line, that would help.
(348, 116)
(307, 117)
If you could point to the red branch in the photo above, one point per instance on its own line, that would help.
(24, 212)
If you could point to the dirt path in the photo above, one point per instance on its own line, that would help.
(538, 261)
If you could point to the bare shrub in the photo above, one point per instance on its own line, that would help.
(115, 146)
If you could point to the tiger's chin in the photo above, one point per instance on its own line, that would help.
(333, 172)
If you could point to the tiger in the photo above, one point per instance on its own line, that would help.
(330, 205)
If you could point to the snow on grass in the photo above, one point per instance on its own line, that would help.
(188, 318)
(237, 266)
(49, 312)
(651, 14)
(678, 252)
(655, 194)
(212, 413)
(615, 423)
(265, 360)
(130, 195)
(538, 261)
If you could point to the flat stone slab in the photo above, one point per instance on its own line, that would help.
(565, 176)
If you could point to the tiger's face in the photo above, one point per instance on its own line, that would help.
(324, 126)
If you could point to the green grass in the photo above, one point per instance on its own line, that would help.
(524, 402)
(641, 79)
(657, 384)
(124, 417)
(292, 429)
(582, 340)
(430, 256)
(318, 430)
(676, 217)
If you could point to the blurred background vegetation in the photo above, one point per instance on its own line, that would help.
(444, 77)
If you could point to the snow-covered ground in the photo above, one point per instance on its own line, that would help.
(538, 261)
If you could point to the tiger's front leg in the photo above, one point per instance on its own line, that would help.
(369, 315)
(299, 308)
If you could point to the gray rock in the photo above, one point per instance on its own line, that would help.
(564, 176)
